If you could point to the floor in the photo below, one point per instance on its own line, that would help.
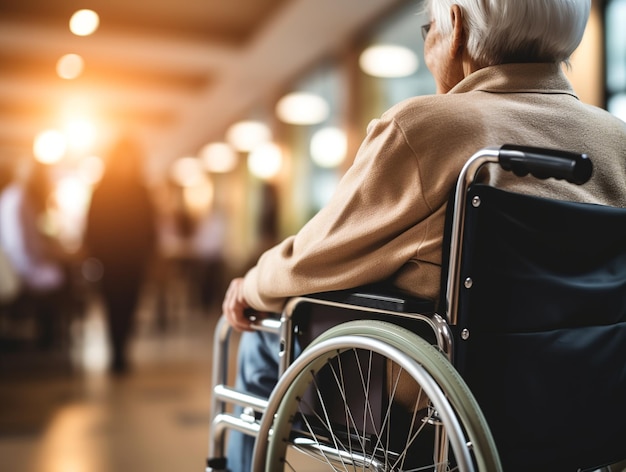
(63, 413)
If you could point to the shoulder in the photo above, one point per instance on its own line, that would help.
(602, 115)
(433, 110)
(432, 118)
(415, 108)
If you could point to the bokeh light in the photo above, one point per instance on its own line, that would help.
(199, 198)
(246, 135)
(388, 60)
(49, 146)
(84, 22)
(71, 195)
(187, 171)
(265, 161)
(218, 157)
(302, 108)
(329, 147)
(71, 198)
(70, 66)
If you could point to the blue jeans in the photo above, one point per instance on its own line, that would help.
(257, 373)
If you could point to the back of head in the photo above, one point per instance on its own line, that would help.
(508, 31)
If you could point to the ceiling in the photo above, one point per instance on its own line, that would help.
(179, 72)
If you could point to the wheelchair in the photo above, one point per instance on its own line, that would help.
(522, 366)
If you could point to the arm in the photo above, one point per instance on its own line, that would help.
(365, 233)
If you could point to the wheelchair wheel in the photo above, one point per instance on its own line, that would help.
(333, 410)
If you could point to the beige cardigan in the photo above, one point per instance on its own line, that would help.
(385, 220)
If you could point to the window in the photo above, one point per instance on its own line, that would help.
(615, 40)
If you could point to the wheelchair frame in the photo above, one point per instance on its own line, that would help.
(575, 168)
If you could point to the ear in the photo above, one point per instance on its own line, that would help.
(457, 42)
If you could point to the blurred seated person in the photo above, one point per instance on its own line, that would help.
(498, 70)
(36, 258)
(9, 280)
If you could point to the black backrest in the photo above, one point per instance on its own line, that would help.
(545, 311)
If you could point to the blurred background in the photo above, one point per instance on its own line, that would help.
(239, 119)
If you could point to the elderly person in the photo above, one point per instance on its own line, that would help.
(497, 66)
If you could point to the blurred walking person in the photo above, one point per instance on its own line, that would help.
(121, 234)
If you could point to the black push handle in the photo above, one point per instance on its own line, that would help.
(545, 163)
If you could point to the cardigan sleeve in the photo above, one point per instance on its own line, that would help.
(363, 235)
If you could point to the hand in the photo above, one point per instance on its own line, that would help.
(234, 306)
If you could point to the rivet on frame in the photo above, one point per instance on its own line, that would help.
(476, 201)
(468, 282)
(465, 334)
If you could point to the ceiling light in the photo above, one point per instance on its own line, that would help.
(329, 147)
(84, 22)
(302, 108)
(218, 157)
(70, 66)
(388, 60)
(246, 135)
(265, 161)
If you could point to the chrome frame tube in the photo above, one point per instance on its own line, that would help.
(221, 394)
(221, 338)
(466, 177)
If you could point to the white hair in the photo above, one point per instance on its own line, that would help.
(501, 31)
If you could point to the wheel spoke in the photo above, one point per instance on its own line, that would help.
(348, 419)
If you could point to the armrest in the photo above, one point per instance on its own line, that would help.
(381, 297)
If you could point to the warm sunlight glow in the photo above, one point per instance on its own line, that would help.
(388, 60)
(187, 172)
(302, 108)
(265, 161)
(246, 135)
(84, 22)
(81, 134)
(71, 195)
(218, 158)
(70, 66)
(329, 147)
(49, 146)
(68, 207)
